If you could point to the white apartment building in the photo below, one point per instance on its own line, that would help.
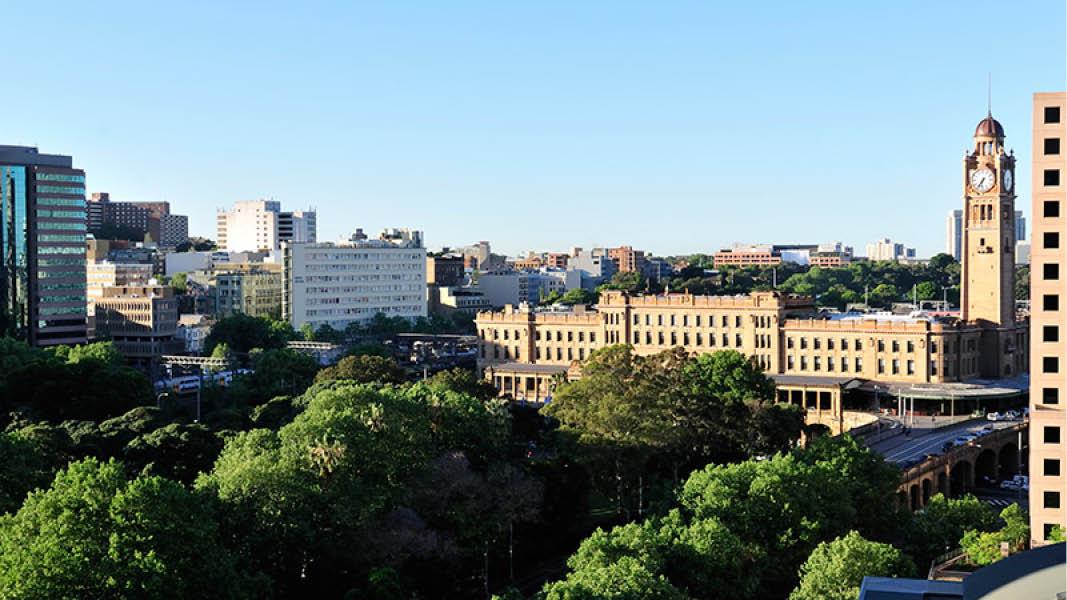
(887, 249)
(100, 275)
(347, 282)
(255, 225)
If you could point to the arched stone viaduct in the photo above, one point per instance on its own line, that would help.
(995, 456)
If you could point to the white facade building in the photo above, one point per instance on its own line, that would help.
(887, 249)
(255, 225)
(337, 284)
(954, 234)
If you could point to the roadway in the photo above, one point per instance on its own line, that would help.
(903, 449)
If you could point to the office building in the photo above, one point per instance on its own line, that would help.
(42, 233)
(444, 270)
(1048, 323)
(101, 275)
(887, 249)
(255, 292)
(260, 225)
(141, 321)
(594, 266)
(338, 284)
(833, 254)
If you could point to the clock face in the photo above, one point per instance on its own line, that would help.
(982, 180)
(1009, 180)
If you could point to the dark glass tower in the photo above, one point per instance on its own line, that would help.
(42, 237)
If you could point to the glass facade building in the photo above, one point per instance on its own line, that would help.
(42, 238)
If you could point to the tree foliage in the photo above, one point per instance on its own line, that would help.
(94, 533)
(364, 368)
(983, 547)
(835, 570)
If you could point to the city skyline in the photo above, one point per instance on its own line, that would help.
(385, 95)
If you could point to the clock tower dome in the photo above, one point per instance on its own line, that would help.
(987, 280)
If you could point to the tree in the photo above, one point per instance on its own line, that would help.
(624, 579)
(93, 533)
(279, 372)
(926, 290)
(299, 500)
(884, 294)
(577, 296)
(1022, 282)
(177, 451)
(365, 368)
(180, 283)
(24, 466)
(983, 548)
(835, 570)
(242, 333)
(939, 527)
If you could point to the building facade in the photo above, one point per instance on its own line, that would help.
(887, 249)
(256, 293)
(141, 320)
(628, 260)
(101, 275)
(350, 282)
(1048, 294)
(42, 234)
(812, 355)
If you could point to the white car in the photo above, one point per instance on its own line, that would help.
(994, 416)
(1008, 484)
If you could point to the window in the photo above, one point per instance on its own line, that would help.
(1050, 302)
(844, 344)
(859, 365)
(881, 366)
(1052, 114)
(803, 363)
(933, 347)
(1050, 395)
(789, 343)
(789, 362)
(844, 364)
(859, 345)
(911, 367)
(1052, 434)
(1051, 240)
(1052, 208)
(1052, 145)
(815, 343)
(1050, 271)
(1052, 499)
(896, 346)
(1050, 364)
(1052, 467)
(1047, 530)
(803, 343)
(881, 346)
(1052, 177)
(817, 363)
(911, 346)
(1050, 333)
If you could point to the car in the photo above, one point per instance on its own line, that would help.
(988, 429)
(994, 416)
(1011, 415)
(1008, 484)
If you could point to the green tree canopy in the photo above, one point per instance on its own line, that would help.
(94, 533)
(364, 368)
(983, 547)
(835, 570)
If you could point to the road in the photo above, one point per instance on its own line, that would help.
(902, 449)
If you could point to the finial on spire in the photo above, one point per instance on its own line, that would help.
(989, 93)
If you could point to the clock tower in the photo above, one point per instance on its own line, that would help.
(987, 297)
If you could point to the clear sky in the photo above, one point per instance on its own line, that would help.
(672, 126)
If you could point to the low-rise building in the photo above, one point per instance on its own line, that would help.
(193, 330)
(337, 284)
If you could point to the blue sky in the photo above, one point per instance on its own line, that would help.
(672, 126)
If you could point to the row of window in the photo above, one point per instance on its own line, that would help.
(724, 320)
(348, 256)
(47, 201)
(73, 190)
(59, 214)
(61, 250)
(58, 237)
(60, 177)
(672, 339)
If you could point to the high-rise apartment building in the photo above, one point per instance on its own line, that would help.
(954, 234)
(260, 225)
(338, 284)
(627, 260)
(887, 249)
(42, 238)
(152, 219)
(1048, 323)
